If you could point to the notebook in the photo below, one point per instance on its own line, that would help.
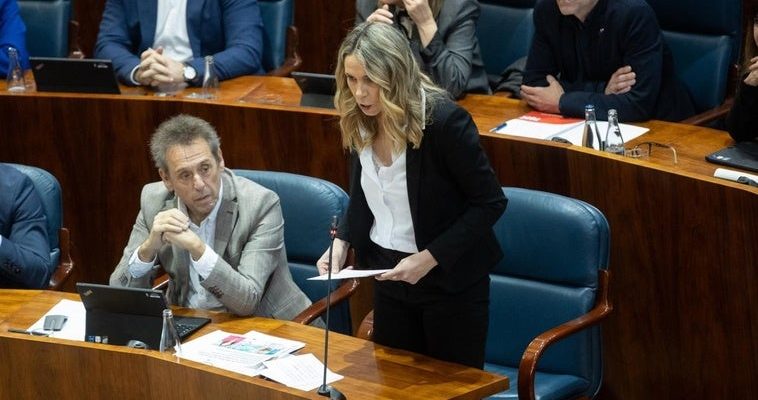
(318, 89)
(743, 155)
(116, 315)
(74, 75)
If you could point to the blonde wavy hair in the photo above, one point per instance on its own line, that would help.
(388, 61)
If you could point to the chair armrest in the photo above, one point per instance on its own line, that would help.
(342, 293)
(66, 265)
(293, 60)
(528, 365)
(706, 117)
(366, 329)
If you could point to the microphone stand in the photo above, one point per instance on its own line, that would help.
(324, 389)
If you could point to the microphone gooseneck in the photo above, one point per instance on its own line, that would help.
(324, 389)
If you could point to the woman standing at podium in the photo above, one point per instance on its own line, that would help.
(423, 200)
(742, 121)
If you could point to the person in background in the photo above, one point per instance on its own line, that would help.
(219, 237)
(609, 53)
(24, 248)
(423, 200)
(12, 34)
(742, 121)
(442, 34)
(164, 42)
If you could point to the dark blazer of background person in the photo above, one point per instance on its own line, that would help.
(12, 34)
(230, 30)
(742, 121)
(454, 202)
(24, 251)
(452, 59)
(583, 57)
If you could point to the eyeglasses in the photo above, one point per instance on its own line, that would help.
(645, 150)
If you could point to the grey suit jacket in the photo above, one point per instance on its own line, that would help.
(452, 59)
(251, 276)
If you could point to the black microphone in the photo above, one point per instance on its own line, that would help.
(324, 389)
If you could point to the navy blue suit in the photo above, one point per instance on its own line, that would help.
(230, 30)
(12, 33)
(24, 251)
(583, 56)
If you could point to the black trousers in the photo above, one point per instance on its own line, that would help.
(426, 320)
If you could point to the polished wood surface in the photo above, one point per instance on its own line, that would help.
(683, 244)
(87, 370)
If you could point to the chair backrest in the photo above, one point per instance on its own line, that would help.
(277, 16)
(47, 24)
(308, 205)
(554, 247)
(704, 38)
(505, 31)
(49, 191)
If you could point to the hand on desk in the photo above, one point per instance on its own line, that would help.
(545, 98)
(155, 68)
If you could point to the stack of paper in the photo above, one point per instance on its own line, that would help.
(256, 353)
(539, 125)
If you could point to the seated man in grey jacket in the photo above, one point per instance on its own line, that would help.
(219, 237)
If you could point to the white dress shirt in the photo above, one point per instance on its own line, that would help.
(198, 296)
(171, 32)
(386, 190)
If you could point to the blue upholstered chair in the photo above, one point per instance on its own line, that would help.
(546, 295)
(47, 24)
(549, 290)
(280, 38)
(505, 31)
(308, 205)
(704, 37)
(49, 191)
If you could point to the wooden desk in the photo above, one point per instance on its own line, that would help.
(88, 370)
(683, 244)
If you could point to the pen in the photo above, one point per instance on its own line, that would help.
(25, 332)
(499, 127)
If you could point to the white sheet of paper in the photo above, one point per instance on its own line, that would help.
(304, 372)
(243, 354)
(350, 273)
(74, 327)
(574, 135)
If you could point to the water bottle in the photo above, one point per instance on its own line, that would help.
(590, 133)
(15, 77)
(614, 142)
(169, 337)
(210, 79)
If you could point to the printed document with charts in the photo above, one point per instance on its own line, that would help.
(539, 125)
(244, 354)
(256, 353)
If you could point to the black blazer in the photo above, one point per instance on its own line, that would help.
(454, 196)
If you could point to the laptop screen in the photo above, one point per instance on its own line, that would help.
(117, 315)
(74, 75)
(318, 89)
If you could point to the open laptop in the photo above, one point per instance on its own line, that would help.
(116, 315)
(318, 89)
(74, 75)
(743, 155)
